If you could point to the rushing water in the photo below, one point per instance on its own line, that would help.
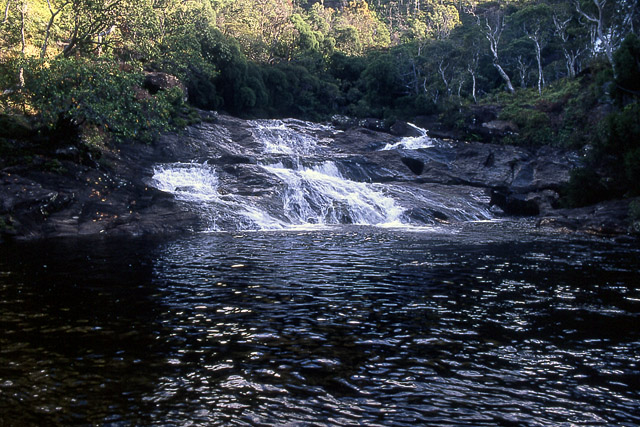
(476, 324)
(297, 181)
(412, 142)
(320, 297)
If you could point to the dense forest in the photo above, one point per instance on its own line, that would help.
(560, 72)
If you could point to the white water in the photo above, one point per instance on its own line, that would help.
(316, 195)
(189, 182)
(321, 195)
(293, 137)
(307, 192)
(198, 186)
(411, 142)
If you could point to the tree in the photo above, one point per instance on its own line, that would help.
(262, 27)
(54, 11)
(611, 19)
(442, 18)
(535, 21)
(493, 25)
(572, 49)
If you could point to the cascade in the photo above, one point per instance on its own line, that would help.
(290, 136)
(321, 195)
(198, 186)
(302, 182)
(411, 142)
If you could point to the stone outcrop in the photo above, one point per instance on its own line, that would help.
(113, 195)
(157, 81)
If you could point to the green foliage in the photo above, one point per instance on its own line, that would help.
(627, 59)
(381, 80)
(622, 147)
(584, 188)
(281, 58)
(68, 93)
(616, 156)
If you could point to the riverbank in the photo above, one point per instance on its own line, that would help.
(107, 191)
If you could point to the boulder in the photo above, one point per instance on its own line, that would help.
(343, 122)
(374, 124)
(400, 128)
(501, 126)
(415, 165)
(513, 203)
(157, 81)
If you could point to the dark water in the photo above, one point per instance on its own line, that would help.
(352, 326)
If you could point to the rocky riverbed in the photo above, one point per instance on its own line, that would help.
(66, 193)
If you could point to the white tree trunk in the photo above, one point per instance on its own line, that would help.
(473, 83)
(539, 59)
(493, 35)
(604, 35)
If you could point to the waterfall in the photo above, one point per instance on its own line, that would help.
(198, 186)
(189, 182)
(411, 142)
(321, 195)
(298, 180)
(292, 137)
(317, 195)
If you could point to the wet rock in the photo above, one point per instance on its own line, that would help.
(157, 81)
(209, 116)
(546, 200)
(115, 196)
(513, 204)
(70, 152)
(426, 216)
(501, 126)
(400, 128)
(343, 122)
(605, 218)
(374, 124)
(234, 159)
(415, 165)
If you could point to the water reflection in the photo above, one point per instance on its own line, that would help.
(77, 341)
(339, 327)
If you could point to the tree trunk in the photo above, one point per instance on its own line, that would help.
(45, 43)
(505, 77)
(6, 12)
(600, 30)
(444, 78)
(539, 59)
(473, 84)
(569, 60)
(493, 35)
(23, 13)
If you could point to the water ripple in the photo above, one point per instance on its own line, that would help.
(350, 327)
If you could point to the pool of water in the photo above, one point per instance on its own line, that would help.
(481, 324)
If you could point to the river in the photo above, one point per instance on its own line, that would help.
(476, 323)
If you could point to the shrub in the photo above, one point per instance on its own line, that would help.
(66, 94)
(584, 188)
